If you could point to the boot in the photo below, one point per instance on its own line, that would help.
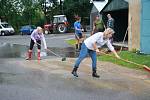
(80, 46)
(38, 56)
(29, 55)
(74, 71)
(76, 46)
(77, 49)
(94, 74)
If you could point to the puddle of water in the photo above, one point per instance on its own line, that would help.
(20, 51)
(3, 76)
(64, 52)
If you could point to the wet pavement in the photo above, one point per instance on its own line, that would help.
(20, 51)
(51, 78)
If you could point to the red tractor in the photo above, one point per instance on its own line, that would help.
(59, 25)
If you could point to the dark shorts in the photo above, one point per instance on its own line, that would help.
(78, 36)
(32, 44)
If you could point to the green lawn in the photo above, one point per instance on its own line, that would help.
(140, 59)
(71, 42)
(137, 58)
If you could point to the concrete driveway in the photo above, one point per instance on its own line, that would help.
(51, 78)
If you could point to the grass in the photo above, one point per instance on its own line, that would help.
(134, 57)
(71, 42)
(140, 59)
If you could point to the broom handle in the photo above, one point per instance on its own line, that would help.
(124, 39)
(123, 60)
(50, 50)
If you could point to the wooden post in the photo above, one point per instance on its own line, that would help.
(134, 24)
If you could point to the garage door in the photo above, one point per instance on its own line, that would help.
(145, 27)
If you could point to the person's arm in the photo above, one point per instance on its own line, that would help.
(96, 48)
(112, 49)
(103, 24)
(115, 53)
(83, 35)
(32, 36)
(93, 28)
(44, 41)
(108, 23)
(79, 29)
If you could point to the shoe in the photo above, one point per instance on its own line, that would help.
(94, 74)
(29, 55)
(28, 58)
(74, 72)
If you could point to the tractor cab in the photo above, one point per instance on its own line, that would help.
(59, 25)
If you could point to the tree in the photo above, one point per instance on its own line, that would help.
(77, 7)
(22, 12)
(10, 12)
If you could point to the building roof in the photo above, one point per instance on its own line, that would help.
(100, 4)
(116, 5)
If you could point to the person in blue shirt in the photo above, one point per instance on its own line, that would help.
(78, 32)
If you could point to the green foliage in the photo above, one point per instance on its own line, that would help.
(77, 7)
(22, 12)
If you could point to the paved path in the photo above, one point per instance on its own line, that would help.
(51, 79)
(53, 40)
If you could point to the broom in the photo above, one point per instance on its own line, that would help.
(63, 58)
(128, 61)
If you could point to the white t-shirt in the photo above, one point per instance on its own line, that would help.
(98, 39)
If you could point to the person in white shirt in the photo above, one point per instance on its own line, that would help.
(36, 37)
(90, 46)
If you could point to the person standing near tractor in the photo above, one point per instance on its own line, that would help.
(78, 32)
(98, 25)
(36, 37)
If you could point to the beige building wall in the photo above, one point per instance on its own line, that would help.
(134, 24)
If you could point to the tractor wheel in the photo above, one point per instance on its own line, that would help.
(46, 32)
(61, 28)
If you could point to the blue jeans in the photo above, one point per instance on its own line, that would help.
(83, 53)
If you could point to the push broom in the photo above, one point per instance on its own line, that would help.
(128, 61)
(63, 58)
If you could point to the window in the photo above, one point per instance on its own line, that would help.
(6, 25)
